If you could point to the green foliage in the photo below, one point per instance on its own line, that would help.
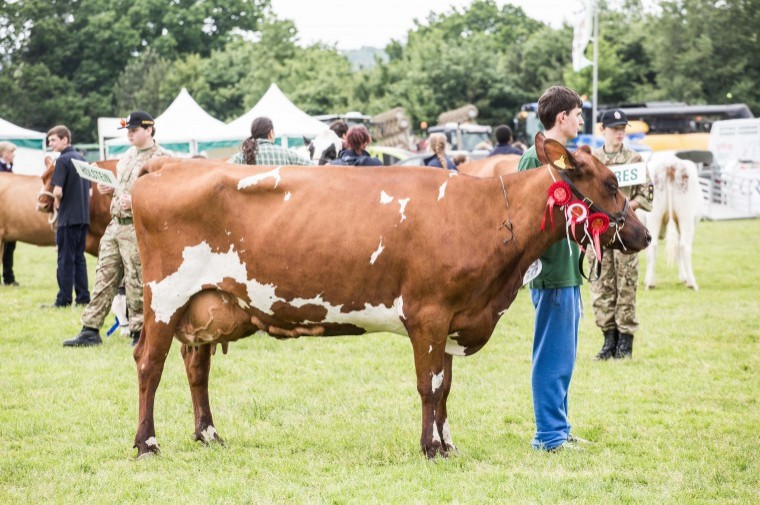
(336, 420)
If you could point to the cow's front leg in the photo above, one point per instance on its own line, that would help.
(428, 344)
(197, 365)
(441, 415)
(150, 356)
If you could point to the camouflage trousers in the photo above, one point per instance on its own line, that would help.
(613, 295)
(118, 258)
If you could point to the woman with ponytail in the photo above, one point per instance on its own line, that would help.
(259, 148)
(437, 144)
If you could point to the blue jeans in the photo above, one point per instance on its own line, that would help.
(555, 343)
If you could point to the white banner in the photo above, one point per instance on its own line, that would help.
(582, 35)
(95, 174)
(630, 174)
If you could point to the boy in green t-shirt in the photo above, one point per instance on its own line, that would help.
(555, 294)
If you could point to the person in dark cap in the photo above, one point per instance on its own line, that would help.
(118, 255)
(613, 294)
(72, 201)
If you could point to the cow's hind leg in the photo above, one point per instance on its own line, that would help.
(441, 415)
(150, 356)
(428, 342)
(197, 364)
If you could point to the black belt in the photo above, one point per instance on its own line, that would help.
(124, 220)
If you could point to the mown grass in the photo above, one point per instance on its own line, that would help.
(337, 419)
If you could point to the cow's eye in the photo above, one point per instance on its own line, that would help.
(612, 187)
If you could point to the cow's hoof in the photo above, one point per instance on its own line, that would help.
(209, 436)
(435, 450)
(147, 448)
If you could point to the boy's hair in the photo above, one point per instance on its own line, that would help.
(503, 134)
(555, 100)
(61, 132)
(339, 127)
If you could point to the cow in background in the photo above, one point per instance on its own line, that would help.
(324, 148)
(492, 166)
(18, 220)
(100, 213)
(676, 207)
(292, 251)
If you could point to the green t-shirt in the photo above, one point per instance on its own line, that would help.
(559, 268)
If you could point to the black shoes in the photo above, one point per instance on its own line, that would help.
(87, 337)
(53, 306)
(624, 346)
(11, 284)
(609, 349)
(135, 337)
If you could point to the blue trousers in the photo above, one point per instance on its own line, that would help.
(72, 268)
(555, 343)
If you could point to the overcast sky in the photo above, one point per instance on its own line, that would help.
(352, 24)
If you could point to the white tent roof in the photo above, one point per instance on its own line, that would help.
(289, 120)
(9, 130)
(186, 121)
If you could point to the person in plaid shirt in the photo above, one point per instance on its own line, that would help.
(259, 148)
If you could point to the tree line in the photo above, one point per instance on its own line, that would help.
(71, 61)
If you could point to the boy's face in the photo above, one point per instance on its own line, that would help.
(570, 123)
(57, 144)
(139, 137)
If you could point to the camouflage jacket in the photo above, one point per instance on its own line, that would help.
(127, 171)
(641, 193)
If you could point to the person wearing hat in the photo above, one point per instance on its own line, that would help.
(7, 153)
(613, 294)
(72, 200)
(118, 255)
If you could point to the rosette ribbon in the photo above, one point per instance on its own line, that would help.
(560, 195)
(575, 214)
(598, 223)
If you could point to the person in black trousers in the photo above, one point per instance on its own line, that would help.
(72, 199)
(7, 153)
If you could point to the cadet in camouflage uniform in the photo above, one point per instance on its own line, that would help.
(118, 255)
(259, 148)
(613, 295)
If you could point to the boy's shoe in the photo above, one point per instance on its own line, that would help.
(565, 446)
(578, 440)
(87, 337)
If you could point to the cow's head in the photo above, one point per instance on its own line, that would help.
(597, 186)
(45, 197)
(325, 147)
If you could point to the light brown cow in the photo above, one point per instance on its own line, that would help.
(18, 219)
(100, 213)
(293, 251)
(492, 166)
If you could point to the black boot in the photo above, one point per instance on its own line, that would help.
(624, 346)
(87, 337)
(610, 344)
(135, 337)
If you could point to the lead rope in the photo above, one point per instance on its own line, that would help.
(507, 224)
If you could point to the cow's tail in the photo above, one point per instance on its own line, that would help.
(671, 233)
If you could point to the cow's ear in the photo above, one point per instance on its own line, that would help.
(306, 141)
(556, 155)
(585, 148)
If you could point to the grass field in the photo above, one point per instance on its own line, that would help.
(337, 420)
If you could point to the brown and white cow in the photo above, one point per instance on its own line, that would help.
(100, 213)
(18, 219)
(676, 207)
(492, 166)
(294, 251)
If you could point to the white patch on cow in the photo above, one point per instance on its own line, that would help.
(201, 267)
(372, 318)
(452, 173)
(151, 442)
(208, 434)
(255, 179)
(442, 191)
(447, 440)
(437, 381)
(288, 196)
(385, 198)
(402, 204)
(453, 347)
(436, 436)
(399, 303)
(243, 304)
(377, 252)
(228, 233)
(430, 349)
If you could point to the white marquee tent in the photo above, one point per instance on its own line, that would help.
(30, 151)
(291, 124)
(185, 129)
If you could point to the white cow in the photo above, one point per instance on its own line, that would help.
(325, 147)
(676, 207)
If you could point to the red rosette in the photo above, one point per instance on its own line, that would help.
(559, 194)
(575, 214)
(598, 223)
(123, 122)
